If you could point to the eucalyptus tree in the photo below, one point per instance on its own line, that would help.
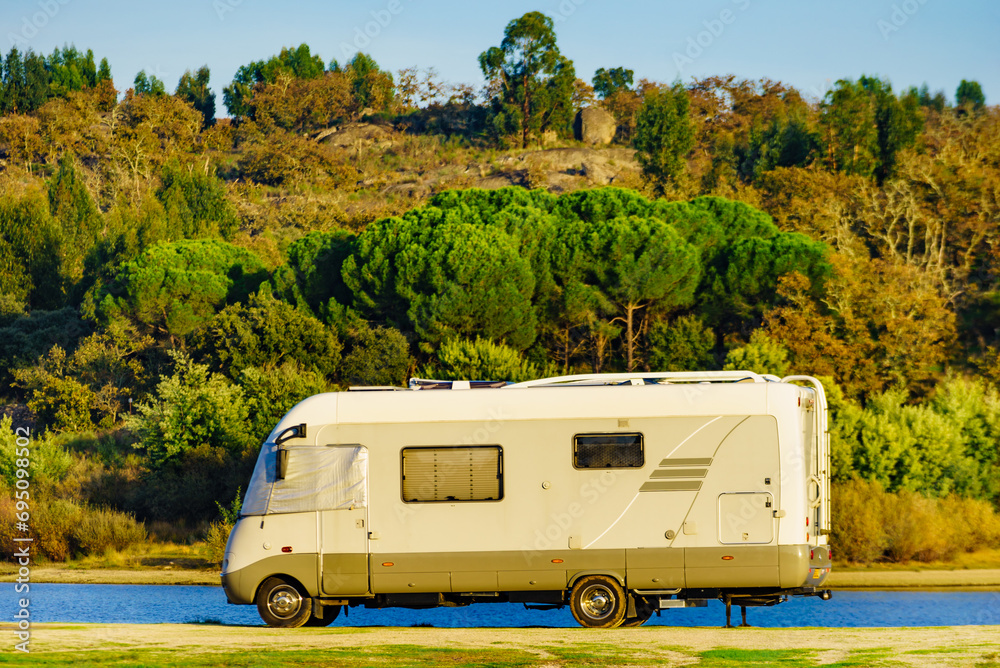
(530, 82)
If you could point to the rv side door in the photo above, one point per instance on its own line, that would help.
(344, 551)
(343, 525)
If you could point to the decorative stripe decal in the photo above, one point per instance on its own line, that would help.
(679, 473)
(671, 486)
(703, 461)
(616, 521)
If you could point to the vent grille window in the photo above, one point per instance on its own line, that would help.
(608, 451)
(452, 474)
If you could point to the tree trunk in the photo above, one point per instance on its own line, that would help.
(631, 335)
(629, 338)
(525, 108)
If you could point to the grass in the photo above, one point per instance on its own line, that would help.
(736, 658)
(594, 654)
(869, 658)
(390, 656)
(382, 657)
(205, 644)
(991, 661)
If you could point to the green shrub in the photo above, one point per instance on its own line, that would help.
(101, 529)
(52, 525)
(218, 531)
(915, 528)
(858, 521)
(8, 522)
(762, 355)
(379, 356)
(270, 393)
(50, 466)
(190, 409)
(59, 401)
(264, 333)
(973, 523)
(682, 344)
(188, 487)
(460, 359)
(870, 524)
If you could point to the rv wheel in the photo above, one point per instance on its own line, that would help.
(598, 602)
(281, 604)
(330, 613)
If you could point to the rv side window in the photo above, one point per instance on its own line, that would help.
(473, 473)
(607, 451)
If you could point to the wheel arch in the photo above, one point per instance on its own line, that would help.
(290, 579)
(617, 575)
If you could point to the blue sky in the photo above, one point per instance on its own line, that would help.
(808, 44)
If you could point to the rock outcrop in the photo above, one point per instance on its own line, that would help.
(594, 125)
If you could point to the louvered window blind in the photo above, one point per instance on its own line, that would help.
(472, 473)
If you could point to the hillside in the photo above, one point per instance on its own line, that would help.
(171, 283)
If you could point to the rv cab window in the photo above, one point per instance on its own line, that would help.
(608, 451)
(455, 473)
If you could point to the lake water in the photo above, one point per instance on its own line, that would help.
(151, 604)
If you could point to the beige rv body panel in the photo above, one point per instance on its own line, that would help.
(721, 498)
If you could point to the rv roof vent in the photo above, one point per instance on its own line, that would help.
(427, 384)
(372, 388)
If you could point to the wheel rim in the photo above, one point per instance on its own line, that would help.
(284, 602)
(597, 602)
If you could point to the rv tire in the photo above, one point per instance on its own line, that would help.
(598, 602)
(281, 604)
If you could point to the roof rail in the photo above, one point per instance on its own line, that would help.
(428, 384)
(647, 378)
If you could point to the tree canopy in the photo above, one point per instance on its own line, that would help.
(607, 82)
(174, 288)
(663, 136)
(194, 89)
(530, 82)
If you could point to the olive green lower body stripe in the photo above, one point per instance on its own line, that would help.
(671, 486)
(527, 570)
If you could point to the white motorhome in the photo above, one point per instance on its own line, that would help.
(616, 494)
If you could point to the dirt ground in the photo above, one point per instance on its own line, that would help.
(918, 647)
